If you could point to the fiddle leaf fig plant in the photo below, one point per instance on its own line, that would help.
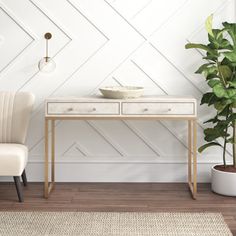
(219, 70)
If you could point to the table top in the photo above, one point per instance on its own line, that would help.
(161, 98)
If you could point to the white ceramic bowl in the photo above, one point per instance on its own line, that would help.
(122, 92)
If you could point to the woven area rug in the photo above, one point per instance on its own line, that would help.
(109, 224)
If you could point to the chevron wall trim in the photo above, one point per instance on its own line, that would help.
(110, 42)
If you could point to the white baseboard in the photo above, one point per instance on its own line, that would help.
(117, 172)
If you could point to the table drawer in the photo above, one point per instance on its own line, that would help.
(83, 108)
(158, 108)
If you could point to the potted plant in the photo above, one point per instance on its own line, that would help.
(219, 70)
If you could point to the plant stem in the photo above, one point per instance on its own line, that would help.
(224, 151)
(225, 140)
(234, 143)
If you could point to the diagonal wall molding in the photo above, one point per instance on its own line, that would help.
(23, 28)
(110, 42)
(126, 20)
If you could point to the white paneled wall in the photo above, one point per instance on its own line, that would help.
(110, 42)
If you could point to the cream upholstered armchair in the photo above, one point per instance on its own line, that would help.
(15, 109)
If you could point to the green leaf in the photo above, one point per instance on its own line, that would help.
(201, 46)
(219, 90)
(233, 83)
(231, 56)
(214, 133)
(203, 147)
(208, 25)
(222, 104)
(225, 44)
(219, 106)
(225, 71)
(233, 105)
(227, 62)
(219, 34)
(231, 118)
(231, 93)
(210, 57)
(211, 76)
(224, 112)
(210, 71)
(213, 120)
(203, 67)
(209, 98)
(231, 29)
(213, 82)
(218, 41)
(230, 140)
(221, 125)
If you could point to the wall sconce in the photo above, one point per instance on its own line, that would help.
(46, 64)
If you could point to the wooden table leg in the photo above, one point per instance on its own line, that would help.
(46, 159)
(48, 186)
(53, 151)
(192, 157)
(190, 151)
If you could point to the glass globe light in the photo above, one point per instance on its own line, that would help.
(47, 65)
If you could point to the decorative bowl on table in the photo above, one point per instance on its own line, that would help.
(122, 92)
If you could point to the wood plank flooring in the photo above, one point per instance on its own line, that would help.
(143, 197)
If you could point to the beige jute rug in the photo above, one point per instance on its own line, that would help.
(111, 224)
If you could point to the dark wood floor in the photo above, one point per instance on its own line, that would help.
(150, 197)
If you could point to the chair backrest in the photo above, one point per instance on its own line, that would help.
(15, 109)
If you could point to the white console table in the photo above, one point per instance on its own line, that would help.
(158, 108)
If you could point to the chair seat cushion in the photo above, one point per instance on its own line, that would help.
(13, 159)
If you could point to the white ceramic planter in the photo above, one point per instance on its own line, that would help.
(223, 182)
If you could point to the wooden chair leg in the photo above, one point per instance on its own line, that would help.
(18, 188)
(24, 178)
